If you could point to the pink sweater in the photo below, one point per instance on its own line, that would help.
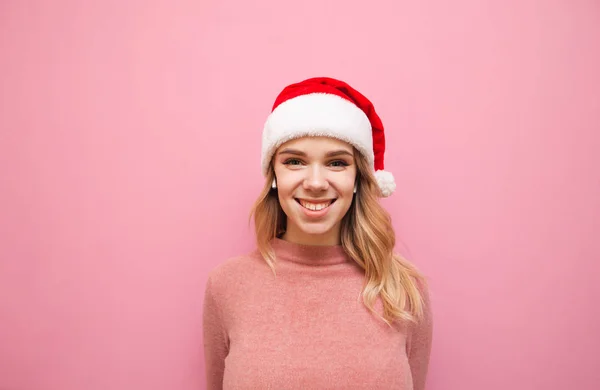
(305, 328)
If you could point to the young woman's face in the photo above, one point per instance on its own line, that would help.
(315, 185)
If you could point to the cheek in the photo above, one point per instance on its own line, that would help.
(350, 184)
(286, 185)
(346, 184)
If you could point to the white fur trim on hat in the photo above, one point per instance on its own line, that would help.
(317, 114)
(386, 182)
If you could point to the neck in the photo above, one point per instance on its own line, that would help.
(297, 236)
(313, 255)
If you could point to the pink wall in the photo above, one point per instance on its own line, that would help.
(129, 149)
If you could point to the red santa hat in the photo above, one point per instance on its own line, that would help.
(327, 107)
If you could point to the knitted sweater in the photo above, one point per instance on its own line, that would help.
(306, 327)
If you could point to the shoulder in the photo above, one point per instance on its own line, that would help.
(425, 317)
(235, 270)
(414, 275)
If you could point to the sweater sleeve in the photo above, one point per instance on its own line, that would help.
(419, 344)
(216, 345)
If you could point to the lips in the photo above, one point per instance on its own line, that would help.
(315, 205)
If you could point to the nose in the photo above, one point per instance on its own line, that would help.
(316, 179)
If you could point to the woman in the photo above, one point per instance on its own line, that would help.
(323, 303)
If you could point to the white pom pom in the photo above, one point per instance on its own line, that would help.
(386, 182)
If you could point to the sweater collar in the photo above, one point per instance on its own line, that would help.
(309, 254)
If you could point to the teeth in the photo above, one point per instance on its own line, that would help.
(314, 206)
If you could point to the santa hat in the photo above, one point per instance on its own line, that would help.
(324, 106)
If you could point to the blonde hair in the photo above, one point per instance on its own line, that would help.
(367, 236)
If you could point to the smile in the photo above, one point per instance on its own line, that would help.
(315, 206)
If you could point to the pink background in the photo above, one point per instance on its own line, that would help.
(129, 157)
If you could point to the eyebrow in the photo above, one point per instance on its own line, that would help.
(333, 153)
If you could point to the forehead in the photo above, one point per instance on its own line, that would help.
(320, 144)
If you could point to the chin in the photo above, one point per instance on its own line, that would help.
(315, 230)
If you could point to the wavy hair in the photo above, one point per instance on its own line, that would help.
(367, 236)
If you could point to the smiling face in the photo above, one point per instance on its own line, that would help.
(315, 187)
